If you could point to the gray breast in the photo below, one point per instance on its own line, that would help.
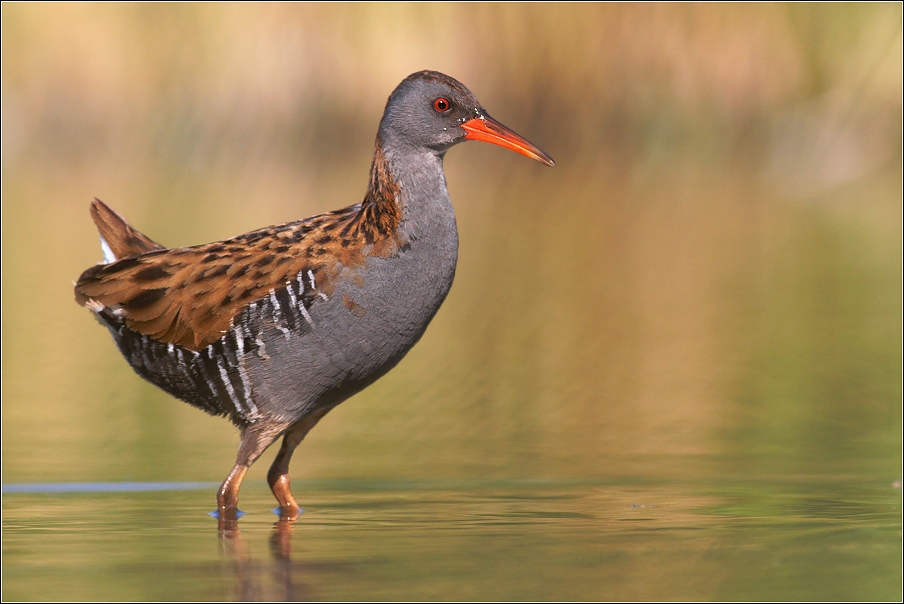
(355, 335)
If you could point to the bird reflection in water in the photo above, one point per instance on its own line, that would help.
(259, 581)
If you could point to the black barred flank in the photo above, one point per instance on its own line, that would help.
(193, 378)
(214, 379)
(153, 361)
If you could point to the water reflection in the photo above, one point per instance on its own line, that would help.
(256, 580)
(422, 541)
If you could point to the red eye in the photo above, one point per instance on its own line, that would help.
(442, 105)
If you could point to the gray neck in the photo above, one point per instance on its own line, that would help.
(427, 212)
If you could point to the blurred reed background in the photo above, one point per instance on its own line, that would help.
(707, 285)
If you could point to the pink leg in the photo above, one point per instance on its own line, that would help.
(255, 440)
(278, 476)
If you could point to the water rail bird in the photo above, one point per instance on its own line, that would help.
(275, 327)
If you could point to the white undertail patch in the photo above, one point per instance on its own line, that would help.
(109, 256)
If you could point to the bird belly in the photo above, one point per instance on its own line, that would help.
(351, 338)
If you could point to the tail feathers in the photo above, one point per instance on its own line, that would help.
(118, 238)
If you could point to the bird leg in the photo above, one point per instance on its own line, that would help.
(255, 440)
(228, 495)
(278, 476)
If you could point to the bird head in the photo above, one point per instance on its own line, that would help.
(432, 111)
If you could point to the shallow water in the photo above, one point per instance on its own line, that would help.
(502, 540)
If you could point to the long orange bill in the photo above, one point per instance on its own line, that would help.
(486, 129)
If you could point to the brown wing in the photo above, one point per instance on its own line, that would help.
(122, 238)
(189, 296)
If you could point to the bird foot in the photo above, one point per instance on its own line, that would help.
(227, 519)
(288, 513)
(227, 513)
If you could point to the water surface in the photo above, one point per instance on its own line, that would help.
(503, 540)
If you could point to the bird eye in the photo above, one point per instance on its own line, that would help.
(442, 105)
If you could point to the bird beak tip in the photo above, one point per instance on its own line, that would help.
(486, 129)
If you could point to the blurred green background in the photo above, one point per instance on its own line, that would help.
(707, 288)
